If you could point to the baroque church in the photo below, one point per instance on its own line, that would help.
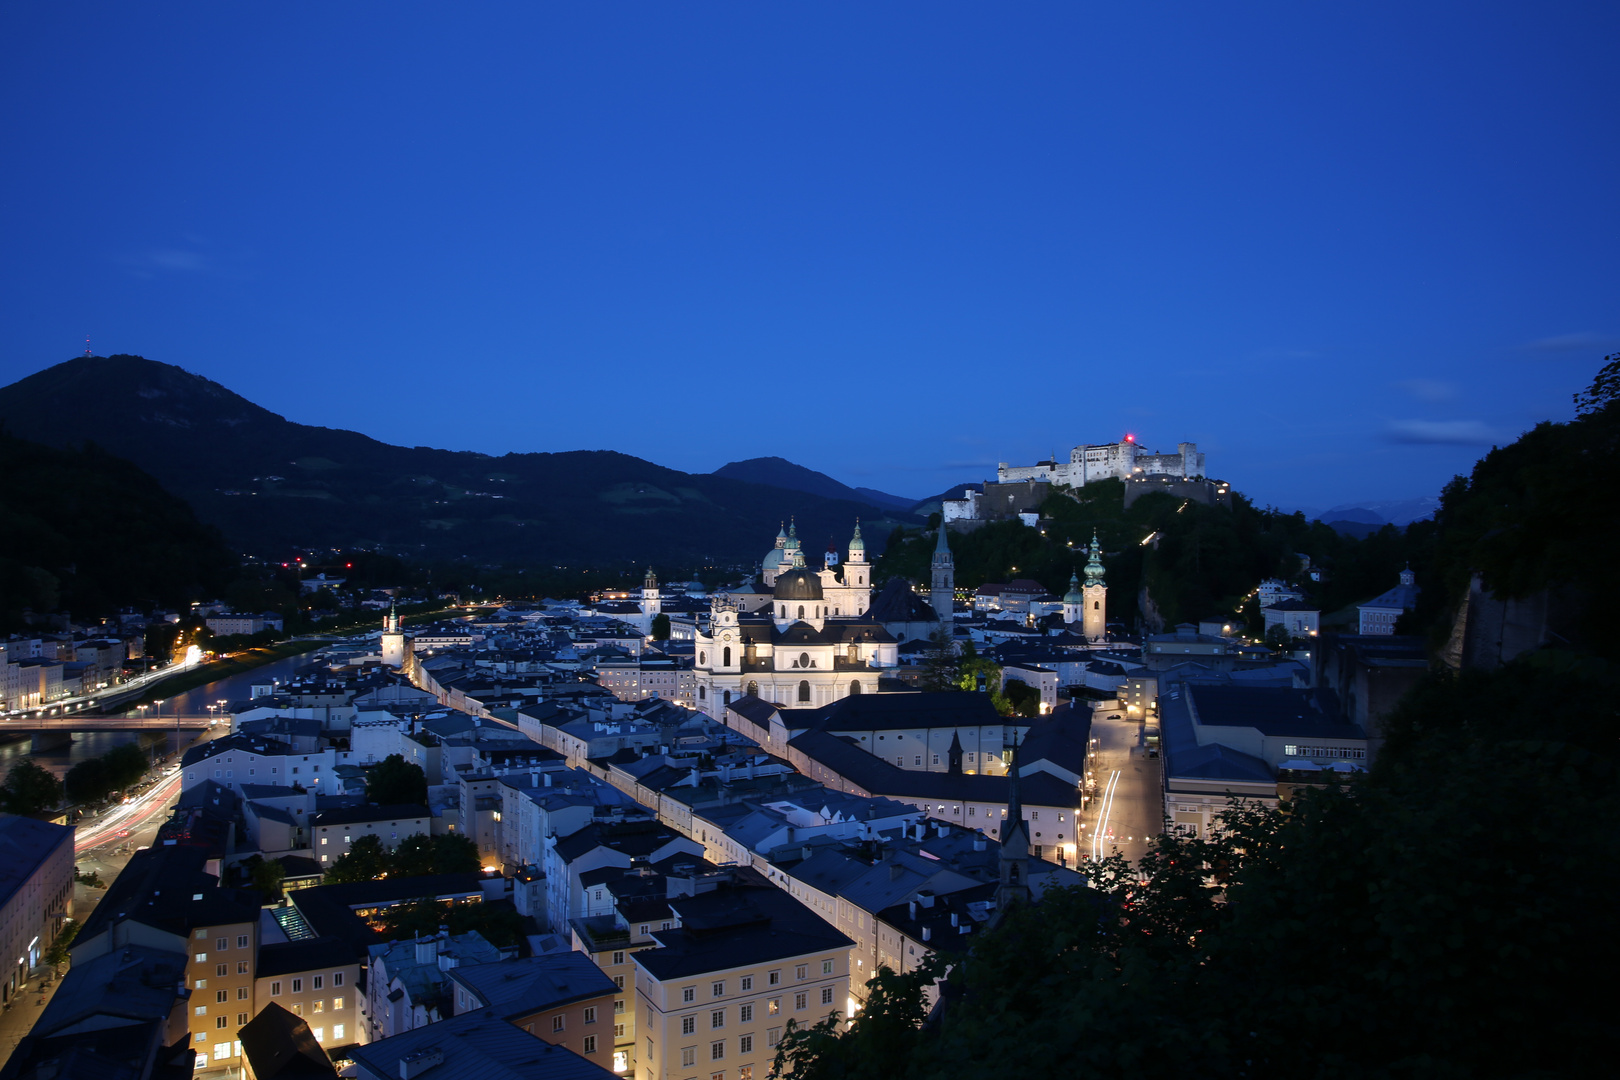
(798, 637)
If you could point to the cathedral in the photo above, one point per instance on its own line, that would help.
(799, 637)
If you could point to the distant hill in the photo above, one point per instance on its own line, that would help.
(273, 485)
(86, 532)
(782, 473)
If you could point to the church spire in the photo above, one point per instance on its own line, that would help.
(1014, 885)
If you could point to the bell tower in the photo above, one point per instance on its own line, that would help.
(1094, 619)
(942, 590)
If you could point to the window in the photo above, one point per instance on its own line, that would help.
(801, 972)
(202, 935)
(337, 978)
(618, 1031)
(222, 995)
(618, 957)
(618, 1007)
(275, 988)
(241, 941)
(222, 943)
(688, 1025)
(337, 1031)
(337, 1004)
(688, 993)
(936, 759)
(242, 1018)
(298, 1008)
(747, 983)
(320, 1005)
(644, 928)
(323, 841)
(717, 990)
(241, 993)
(557, 1022)
(745, 1045)
(200, 1010)
(717, 1018)
(688, 1056)
(222, 1051)
(317, 982)
(202, 984)
(919, 759)
(319, 1033)
(241, 967)
(826, 995)
(745, 1014)
(773, 1036)
(826, 967)
(590, 1015)
(618, 981)
(801, 1001)
(298, 986)
(222, 969)
(221, 1021)
(804, 689)
(717, 1050)
(201, 1037)
(590, 1044)
(773, 1006)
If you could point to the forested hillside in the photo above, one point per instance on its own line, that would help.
(86, 532)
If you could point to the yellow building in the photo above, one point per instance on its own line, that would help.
(715, 996)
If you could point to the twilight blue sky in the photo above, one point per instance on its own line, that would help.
(1343, 250)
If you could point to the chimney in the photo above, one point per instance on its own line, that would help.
(427, 950)
(548, 779)
(414, 1065)
(979, 842)
(928, 933)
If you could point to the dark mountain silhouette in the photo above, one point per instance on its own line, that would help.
(272, 485)
(86, 532)
(782, 473)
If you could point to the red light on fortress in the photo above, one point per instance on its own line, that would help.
(1130, 438)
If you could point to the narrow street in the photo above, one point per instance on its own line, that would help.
(1127, 804)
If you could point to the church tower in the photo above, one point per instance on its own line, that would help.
(942, 591)
(858, 574)
(1094, 620)
(651, 604)
(1074, 602)
(1014, 885)
(393, 640)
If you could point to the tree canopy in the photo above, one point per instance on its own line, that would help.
(29, 789)
(396, 781)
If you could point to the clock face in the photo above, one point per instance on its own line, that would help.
(725, 637)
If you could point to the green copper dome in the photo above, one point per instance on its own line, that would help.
(1094, 566)
(1074, 596)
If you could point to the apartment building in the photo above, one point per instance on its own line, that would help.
(319, 980)
(744, 958)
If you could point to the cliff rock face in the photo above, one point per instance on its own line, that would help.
(273, 485)
(1489, 631)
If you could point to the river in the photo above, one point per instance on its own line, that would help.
(92, 744)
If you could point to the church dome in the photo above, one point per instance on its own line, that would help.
(799, 584)
(1074, 595)
(775, 559)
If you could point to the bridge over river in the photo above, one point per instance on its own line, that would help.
(56, 732)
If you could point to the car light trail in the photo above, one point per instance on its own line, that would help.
(130, 816)
(1099, 835)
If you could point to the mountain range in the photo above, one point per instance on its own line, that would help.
(276, 487)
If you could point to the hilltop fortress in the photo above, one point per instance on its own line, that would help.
(1124, 460)
(1020, 490)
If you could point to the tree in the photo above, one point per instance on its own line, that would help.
(1023, 698)
(267, 878)
(88, 781)
(454, 853)
(58, 951)
(366, 861)
(413, 857)
(29, 789)
(660, 627)
(940, 662)
(393, 781)
(1605, 388)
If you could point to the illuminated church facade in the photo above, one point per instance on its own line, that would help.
(800, 638)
